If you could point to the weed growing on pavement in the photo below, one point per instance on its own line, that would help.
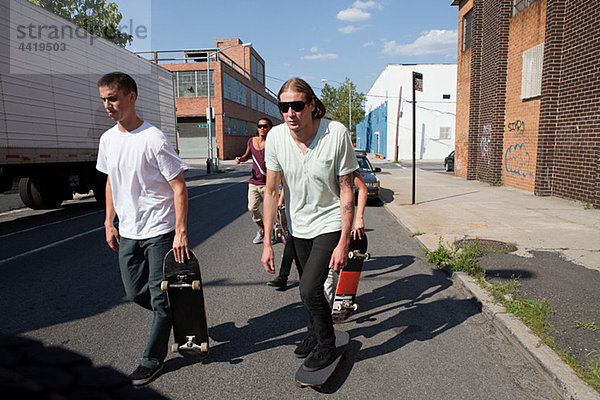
(586, 325)
(417, 234)
(463, 258)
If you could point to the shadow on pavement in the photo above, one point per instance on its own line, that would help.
(30, 370)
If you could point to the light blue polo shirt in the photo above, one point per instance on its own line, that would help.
(310, 180)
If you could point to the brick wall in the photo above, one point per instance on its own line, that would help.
(463, 95)
(489, 132)
(526, 30)
(576, 153)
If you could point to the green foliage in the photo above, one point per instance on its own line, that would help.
(591, 325)
(457, 258)
(336, 102)
(95, 16)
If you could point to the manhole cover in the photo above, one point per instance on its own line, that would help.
(487, 245)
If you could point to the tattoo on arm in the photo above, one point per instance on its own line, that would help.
(346, 182)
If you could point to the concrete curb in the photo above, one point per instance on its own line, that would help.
(565, 381)
(542, 357)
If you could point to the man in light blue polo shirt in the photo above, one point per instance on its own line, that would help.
(315, 160)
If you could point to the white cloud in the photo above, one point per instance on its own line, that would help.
(369, 44)
(314, 49)
(321, 56)
(353, 15)
(367, 5)
(350, 28)
(435, 41)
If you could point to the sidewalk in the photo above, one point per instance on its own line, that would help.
(558, 256)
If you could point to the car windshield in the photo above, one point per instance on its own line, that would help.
(364, 165)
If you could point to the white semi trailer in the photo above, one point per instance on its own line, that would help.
(51, 115)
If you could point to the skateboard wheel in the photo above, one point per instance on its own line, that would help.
(351, 255)
(354, 306)
(196, 285)
(337, 307)
(204, 347)
(164, 285)
(367, 256)
(175, 348)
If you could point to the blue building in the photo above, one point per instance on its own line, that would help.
(371, 133)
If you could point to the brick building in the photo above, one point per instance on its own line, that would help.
(528, 95)
(239, 97)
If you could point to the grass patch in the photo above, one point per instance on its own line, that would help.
(591, 326)
(417, 234)
(457, 258)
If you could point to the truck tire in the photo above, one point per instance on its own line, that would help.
(39, 193)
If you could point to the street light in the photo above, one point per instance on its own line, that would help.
(209, 113)
(349, 102)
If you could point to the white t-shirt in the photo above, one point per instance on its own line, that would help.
(310, 180)
(140, 165)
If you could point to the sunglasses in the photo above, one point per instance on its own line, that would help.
(263, 126)
(297, 106)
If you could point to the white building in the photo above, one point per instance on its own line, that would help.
(383, 129)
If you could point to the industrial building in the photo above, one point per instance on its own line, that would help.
(528, 95)
(239, 97)
(387, 130)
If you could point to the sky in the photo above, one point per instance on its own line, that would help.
(311, 39)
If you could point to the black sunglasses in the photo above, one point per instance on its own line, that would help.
(264, 126)
(297, 106)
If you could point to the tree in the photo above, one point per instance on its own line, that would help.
(336, 101)
(95, 16)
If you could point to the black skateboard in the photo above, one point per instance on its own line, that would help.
(280, 229)
(318, 378)
(345, 294)
(183, 283)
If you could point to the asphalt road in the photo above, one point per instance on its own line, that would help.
(415, 335)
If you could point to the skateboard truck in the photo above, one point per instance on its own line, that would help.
(355, 254)
(190, 345)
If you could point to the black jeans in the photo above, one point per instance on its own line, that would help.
(289, 255)
(312, 256)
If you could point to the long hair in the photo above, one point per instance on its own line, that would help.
(300, 86)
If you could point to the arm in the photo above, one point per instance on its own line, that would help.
(359, 223)
(340, 253)
(244, 157)
(112, 234)
(269, 210)
(180, 242)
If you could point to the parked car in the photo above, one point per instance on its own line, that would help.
(449, 162)
(368, 173)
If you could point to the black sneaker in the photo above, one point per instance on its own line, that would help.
(279, 282)
(320, 358)
(304, 348)
(143, 375)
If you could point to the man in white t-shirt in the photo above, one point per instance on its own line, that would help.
(145, 189)
(315, 160)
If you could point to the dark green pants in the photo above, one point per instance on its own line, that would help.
(141, 271)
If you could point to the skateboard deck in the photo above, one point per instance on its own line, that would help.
(345, 295)
(280, 232)
(183, 284)
(318, 378)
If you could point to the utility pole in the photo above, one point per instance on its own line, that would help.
(417, 85)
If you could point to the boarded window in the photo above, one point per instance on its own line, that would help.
(467, 33)
(445, 132)
(193, 84)
(520, 5)
(236, 127)
(234, 90)
(257, 69)
(531, 75)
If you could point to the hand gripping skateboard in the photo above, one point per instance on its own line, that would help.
(183, 283)
(345, 294)
(319, 377)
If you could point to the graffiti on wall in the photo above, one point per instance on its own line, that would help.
(517, 126)
(485, 143)
(518, 161)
